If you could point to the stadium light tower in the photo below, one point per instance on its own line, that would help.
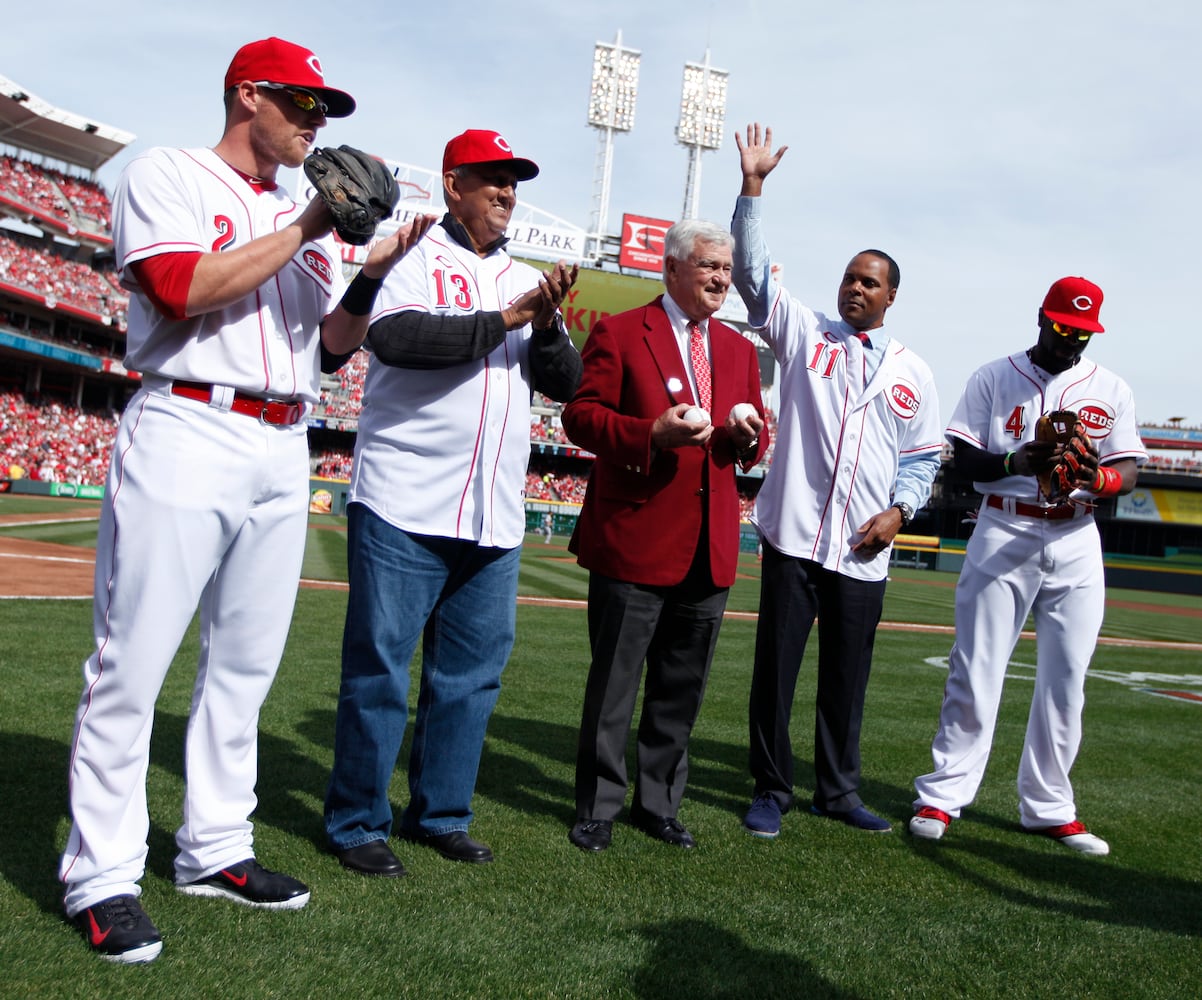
(702, 118)
(612, 97)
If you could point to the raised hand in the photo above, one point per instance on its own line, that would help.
(756, 158)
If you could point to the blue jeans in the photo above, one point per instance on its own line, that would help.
(460, 598)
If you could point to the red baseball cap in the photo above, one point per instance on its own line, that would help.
(482, 146)
(1074, 302)
(273, 60)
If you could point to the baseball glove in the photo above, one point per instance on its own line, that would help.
(1075, 461)
(357, 188)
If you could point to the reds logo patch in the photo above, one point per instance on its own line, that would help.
(1097, 417)
(319, 265)
(904, 400)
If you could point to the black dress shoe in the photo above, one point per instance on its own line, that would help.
(373, 858)
(592, 834)
(457, 846)
(666, 828)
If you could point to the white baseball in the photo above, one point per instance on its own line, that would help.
(741, 411)
(695, 415)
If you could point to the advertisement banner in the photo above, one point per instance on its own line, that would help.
(642, 246)
(84, 492)
(532, 232)
(1166, 506)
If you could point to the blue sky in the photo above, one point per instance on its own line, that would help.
(990, 148)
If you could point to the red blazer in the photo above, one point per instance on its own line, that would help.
(642, 514)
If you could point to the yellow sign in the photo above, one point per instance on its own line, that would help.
(1166, 506)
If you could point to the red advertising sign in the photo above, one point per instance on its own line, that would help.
(642, 246)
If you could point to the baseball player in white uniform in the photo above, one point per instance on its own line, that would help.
(857, 448)
(461, 335)
(236, 292)
(1030, 554)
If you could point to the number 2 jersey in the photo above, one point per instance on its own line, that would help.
(190, 201)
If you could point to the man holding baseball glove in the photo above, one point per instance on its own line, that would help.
(237, 305)
(1044, 434)
(659, 529)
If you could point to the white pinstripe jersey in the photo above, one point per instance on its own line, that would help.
(444, 452)
(1004, 398)
(838, 440)
(173, 200)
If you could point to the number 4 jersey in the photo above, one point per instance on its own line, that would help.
(1004, 398)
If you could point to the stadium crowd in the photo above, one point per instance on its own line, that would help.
(72, 202)
(53, 442)
(346, 399)
(59, 280)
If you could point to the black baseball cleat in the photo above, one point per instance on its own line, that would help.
(249, 883)
(118, 930)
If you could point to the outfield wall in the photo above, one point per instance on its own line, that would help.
(1179, 575)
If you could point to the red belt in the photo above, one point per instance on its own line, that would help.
(279, 412)
(1062, 512)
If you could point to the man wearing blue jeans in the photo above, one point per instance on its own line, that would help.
(436, 518)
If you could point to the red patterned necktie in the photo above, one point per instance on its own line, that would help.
(701, 367)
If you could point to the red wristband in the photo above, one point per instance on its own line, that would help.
(1107, 484)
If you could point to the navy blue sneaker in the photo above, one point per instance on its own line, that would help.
(763, 818)
(249, 883)
(859, 817)
(118, 930)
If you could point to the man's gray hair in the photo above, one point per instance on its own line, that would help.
(680, 239)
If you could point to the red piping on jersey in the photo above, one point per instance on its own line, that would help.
(851, 486)
(1043, 403)
(421, 306)
(831, 491)
(180, 247)
(471, 470)
(1085, 377)
(492, 486)
(263, 339)
(772, 307)
(965, 436)
(284, 309)
(250, 231)
(937, 446)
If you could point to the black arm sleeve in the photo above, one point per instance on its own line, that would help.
(331, 362)
(980, 466)
(414, 339)
(555, 365)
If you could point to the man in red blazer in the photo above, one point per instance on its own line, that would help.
(659, 529)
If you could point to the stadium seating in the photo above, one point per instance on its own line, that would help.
(53, 442)
(61, 281)
(69, 203)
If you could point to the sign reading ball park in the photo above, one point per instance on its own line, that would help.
(538, 238)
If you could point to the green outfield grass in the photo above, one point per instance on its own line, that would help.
(823, 911)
